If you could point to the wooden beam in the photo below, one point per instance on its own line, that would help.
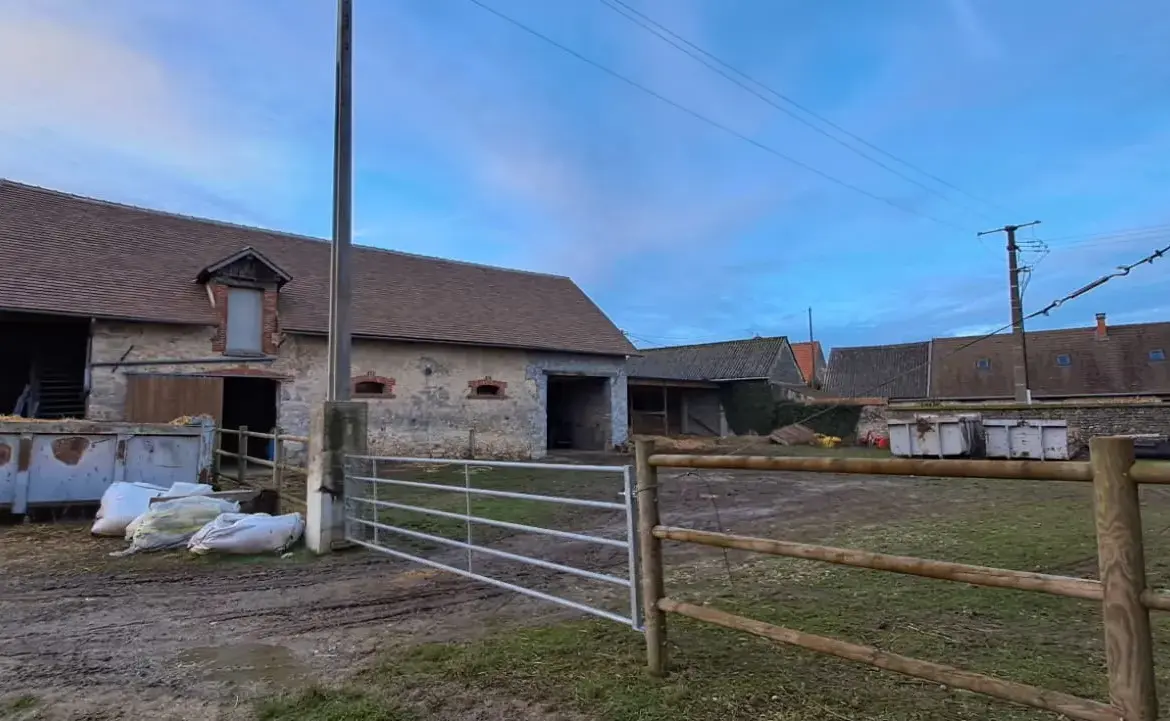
(1121, 564)
(1071, 706)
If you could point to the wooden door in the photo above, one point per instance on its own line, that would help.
(163, 398)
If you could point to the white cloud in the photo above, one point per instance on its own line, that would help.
(81, 105)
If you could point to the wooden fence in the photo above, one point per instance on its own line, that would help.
(292, 490)
(1122, 590)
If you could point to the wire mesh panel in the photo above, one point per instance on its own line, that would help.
(562, 533)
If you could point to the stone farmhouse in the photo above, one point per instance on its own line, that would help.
(113, 312)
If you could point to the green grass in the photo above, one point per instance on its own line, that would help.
(316, 704)
(596, 667)
(522, 480)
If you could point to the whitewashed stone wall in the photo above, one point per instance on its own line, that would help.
(431, 412)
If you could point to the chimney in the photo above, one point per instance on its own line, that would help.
(1102, 329)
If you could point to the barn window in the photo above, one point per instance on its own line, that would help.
(983, 364)
(1064, 359)
(1158, 354)
(486, 388)
(371, 385)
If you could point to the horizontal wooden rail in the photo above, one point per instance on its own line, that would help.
(227, 430)
(957, 468)
(977, 575)
(1071, 706)
(1154, 473)
(295, 439)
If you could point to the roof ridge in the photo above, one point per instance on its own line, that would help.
(716, 343)
(1006, 332)
(881, 345)
(283, 233)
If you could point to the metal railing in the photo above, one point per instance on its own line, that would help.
(279, 464)
(362, 497)
(1122, 589)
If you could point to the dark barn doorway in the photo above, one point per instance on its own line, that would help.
(42, 366)
(251, 402)
(578, 413)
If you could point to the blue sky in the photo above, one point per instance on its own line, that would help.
(475, 140)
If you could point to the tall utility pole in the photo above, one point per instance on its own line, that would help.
(1023, 393)
(340, 285)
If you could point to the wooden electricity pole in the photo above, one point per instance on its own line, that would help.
(1023, 393)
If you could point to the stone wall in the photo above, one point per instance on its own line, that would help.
(1085, 419)
(430, 408)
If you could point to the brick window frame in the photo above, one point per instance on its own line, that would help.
(479, 389)
(368, 379)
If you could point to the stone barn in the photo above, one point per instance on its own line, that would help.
(114, 312)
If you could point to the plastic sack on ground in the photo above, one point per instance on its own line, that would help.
(171, 524)
(190, 489)
(178, 490)
(248, 533)
(121, 504)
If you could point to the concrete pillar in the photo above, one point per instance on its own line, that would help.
(337, 428)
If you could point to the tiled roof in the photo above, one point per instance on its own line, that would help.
(885, 371)
(63, 253)
(731, 360)
(1119, 364)
(809, 356)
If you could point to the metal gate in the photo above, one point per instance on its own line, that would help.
(369, 494)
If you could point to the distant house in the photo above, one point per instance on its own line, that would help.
(899, 371)
(683, 389)
(810, 358)
(113, 312)
(1098, 361)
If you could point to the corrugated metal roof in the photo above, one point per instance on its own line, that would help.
(884, 371)
(729, 360)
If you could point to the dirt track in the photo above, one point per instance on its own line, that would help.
(169, 637)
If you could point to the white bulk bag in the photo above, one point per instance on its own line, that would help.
(121, 504)
(170, 524)
(248, 533)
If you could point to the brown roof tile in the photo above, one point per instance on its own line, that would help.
(67, 254)
(1119, 364)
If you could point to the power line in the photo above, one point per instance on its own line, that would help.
(1121, 271)
(1114, 233)
(710, 121)
(726, 69)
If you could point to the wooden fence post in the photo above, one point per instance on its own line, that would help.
(1122, 568)
(216, 445)
(650, 548)
(277, 460)
(241, 460)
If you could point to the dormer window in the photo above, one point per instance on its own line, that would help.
(983, 364)
(243, 289)
(1158, 354)
(1064, 360)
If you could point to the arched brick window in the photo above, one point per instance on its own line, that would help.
(486, 388)
(372, 385)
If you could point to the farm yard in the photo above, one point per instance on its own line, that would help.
(359, 635)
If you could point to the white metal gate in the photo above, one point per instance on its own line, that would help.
(369, 492)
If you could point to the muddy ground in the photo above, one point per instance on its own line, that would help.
(172, 637)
